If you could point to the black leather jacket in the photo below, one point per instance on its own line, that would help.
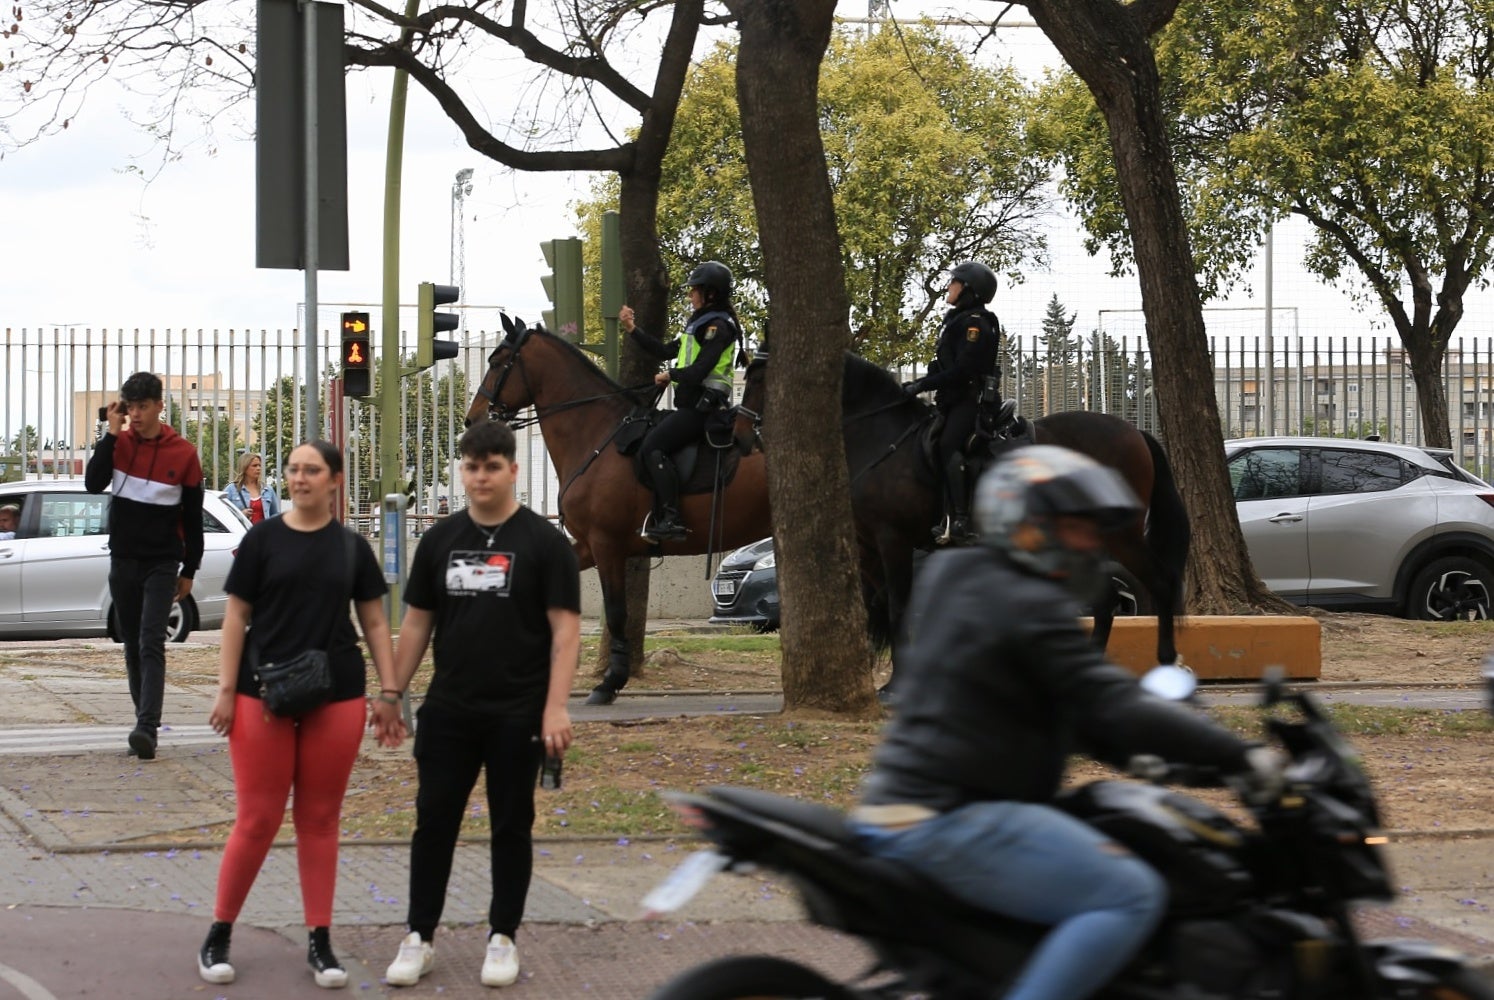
(998, 684)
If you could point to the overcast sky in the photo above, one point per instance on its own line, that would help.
(86, 242)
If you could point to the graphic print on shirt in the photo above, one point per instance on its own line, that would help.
(475, 571)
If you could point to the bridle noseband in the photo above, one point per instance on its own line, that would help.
(513, 342)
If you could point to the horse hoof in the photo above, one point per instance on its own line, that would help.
(601, 696)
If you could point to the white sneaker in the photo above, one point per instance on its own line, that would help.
(500, 966)
(414, 960)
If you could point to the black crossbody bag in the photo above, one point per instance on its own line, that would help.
(293, 687)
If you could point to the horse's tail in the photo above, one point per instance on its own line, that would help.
(1168, 533)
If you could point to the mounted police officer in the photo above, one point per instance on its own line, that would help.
(965, 379)
(701, 372)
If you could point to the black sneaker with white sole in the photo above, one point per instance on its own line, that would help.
(143, 744)
(212, 959)
(325, 967)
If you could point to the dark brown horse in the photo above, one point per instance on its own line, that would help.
(896, 498)
(581, 412)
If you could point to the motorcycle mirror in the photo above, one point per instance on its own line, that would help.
(1170, 682)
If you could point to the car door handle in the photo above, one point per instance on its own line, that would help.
(1285, 518)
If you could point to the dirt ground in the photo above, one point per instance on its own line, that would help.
(1432, 772)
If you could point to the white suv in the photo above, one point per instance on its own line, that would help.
(54, 575)
(1366, 525)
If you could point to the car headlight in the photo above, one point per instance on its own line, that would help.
(766, 562)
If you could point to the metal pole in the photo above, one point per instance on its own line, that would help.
(389, 378)
(313, 235)
(1270, 394)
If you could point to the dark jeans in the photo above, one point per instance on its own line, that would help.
(450, 748)
(142, 590)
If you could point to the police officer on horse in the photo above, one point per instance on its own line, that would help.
(965, 379)
(701, 374)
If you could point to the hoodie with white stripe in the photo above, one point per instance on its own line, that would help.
(156, 512)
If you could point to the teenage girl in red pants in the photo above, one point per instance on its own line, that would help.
(291, 576)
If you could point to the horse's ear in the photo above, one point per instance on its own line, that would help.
(508, 324)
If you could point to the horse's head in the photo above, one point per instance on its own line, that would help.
(747, 425)
(499, 395)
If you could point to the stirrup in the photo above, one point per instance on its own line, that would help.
(665, 529)
(942, 534)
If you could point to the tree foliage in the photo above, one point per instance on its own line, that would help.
(1367, 118)
(928, 160)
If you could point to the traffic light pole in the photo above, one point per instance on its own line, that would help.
(390, 466)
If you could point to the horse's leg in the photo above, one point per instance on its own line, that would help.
(1103, 613)
(897, 579)
(610, 573)
(1135, 553)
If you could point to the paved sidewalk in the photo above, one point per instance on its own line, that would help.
(82, 914)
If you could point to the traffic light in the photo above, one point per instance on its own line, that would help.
(563, 288)
(429, 350)
(357, 357)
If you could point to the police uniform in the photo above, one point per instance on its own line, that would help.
(701, 374)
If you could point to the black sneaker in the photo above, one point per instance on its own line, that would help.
(212, 960)
(325, 967)
(143, 744)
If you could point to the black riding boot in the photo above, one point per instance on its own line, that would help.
(957, 494)
(666, 524)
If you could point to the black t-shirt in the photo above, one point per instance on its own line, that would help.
(491, 604)
(297, 584)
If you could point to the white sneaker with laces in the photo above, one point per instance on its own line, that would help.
(500, 966)
(414, 960)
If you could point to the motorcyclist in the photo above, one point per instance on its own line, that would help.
(1002, 684)
(965, 358)
(703, 358)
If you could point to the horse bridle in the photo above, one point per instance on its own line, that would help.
(504, 413)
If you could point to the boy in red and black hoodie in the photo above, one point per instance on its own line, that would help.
(155, 537)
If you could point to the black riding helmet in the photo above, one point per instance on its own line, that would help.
(978, 279)
(713, 277)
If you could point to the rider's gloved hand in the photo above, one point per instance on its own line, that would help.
(912, 388)
(1264, 777)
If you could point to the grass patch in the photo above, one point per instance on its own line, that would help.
(687, 645)
(1370, 720)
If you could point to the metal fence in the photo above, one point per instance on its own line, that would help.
(238, 390)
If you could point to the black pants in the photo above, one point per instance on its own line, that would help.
(959, 424)
(450, 748)
(675, 431)
(142, 591)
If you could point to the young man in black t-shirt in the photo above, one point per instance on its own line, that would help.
(499, 587)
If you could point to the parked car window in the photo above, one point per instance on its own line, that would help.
(211, 525)
(72, 515)
(1345, 471)
(1266, 473)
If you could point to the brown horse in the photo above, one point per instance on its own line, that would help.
(896, 497)
(581, 413)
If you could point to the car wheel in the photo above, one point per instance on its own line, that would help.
(1454, 588)
(181, 621)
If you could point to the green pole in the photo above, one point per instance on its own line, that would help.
(391, 461)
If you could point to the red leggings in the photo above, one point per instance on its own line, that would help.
(270, 757)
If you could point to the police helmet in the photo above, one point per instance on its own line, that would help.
(979, 280)
(712, 276)
(1016, 501)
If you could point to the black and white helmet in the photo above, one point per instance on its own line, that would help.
(1016, 501)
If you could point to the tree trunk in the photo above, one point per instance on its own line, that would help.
(1106, 45)
(827, 662)
(645, 279)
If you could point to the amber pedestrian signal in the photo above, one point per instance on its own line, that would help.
(357, 357)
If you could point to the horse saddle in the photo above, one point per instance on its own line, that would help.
(1009, 429)
(695, 476)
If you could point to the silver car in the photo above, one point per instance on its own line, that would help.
(1366, 525)
(54, 575)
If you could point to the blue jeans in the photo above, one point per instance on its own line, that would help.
(1034, 863)
(142, 590)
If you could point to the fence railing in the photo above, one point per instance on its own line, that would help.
(235, 391)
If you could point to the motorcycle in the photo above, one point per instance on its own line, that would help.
(1254, 914)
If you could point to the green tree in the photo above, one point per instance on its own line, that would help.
(218, 445)
(928, 162)
(1062, 364)
(1367, 118)
(1117, 381)
(1108, 45)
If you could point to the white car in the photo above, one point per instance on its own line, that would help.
(54, 575)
